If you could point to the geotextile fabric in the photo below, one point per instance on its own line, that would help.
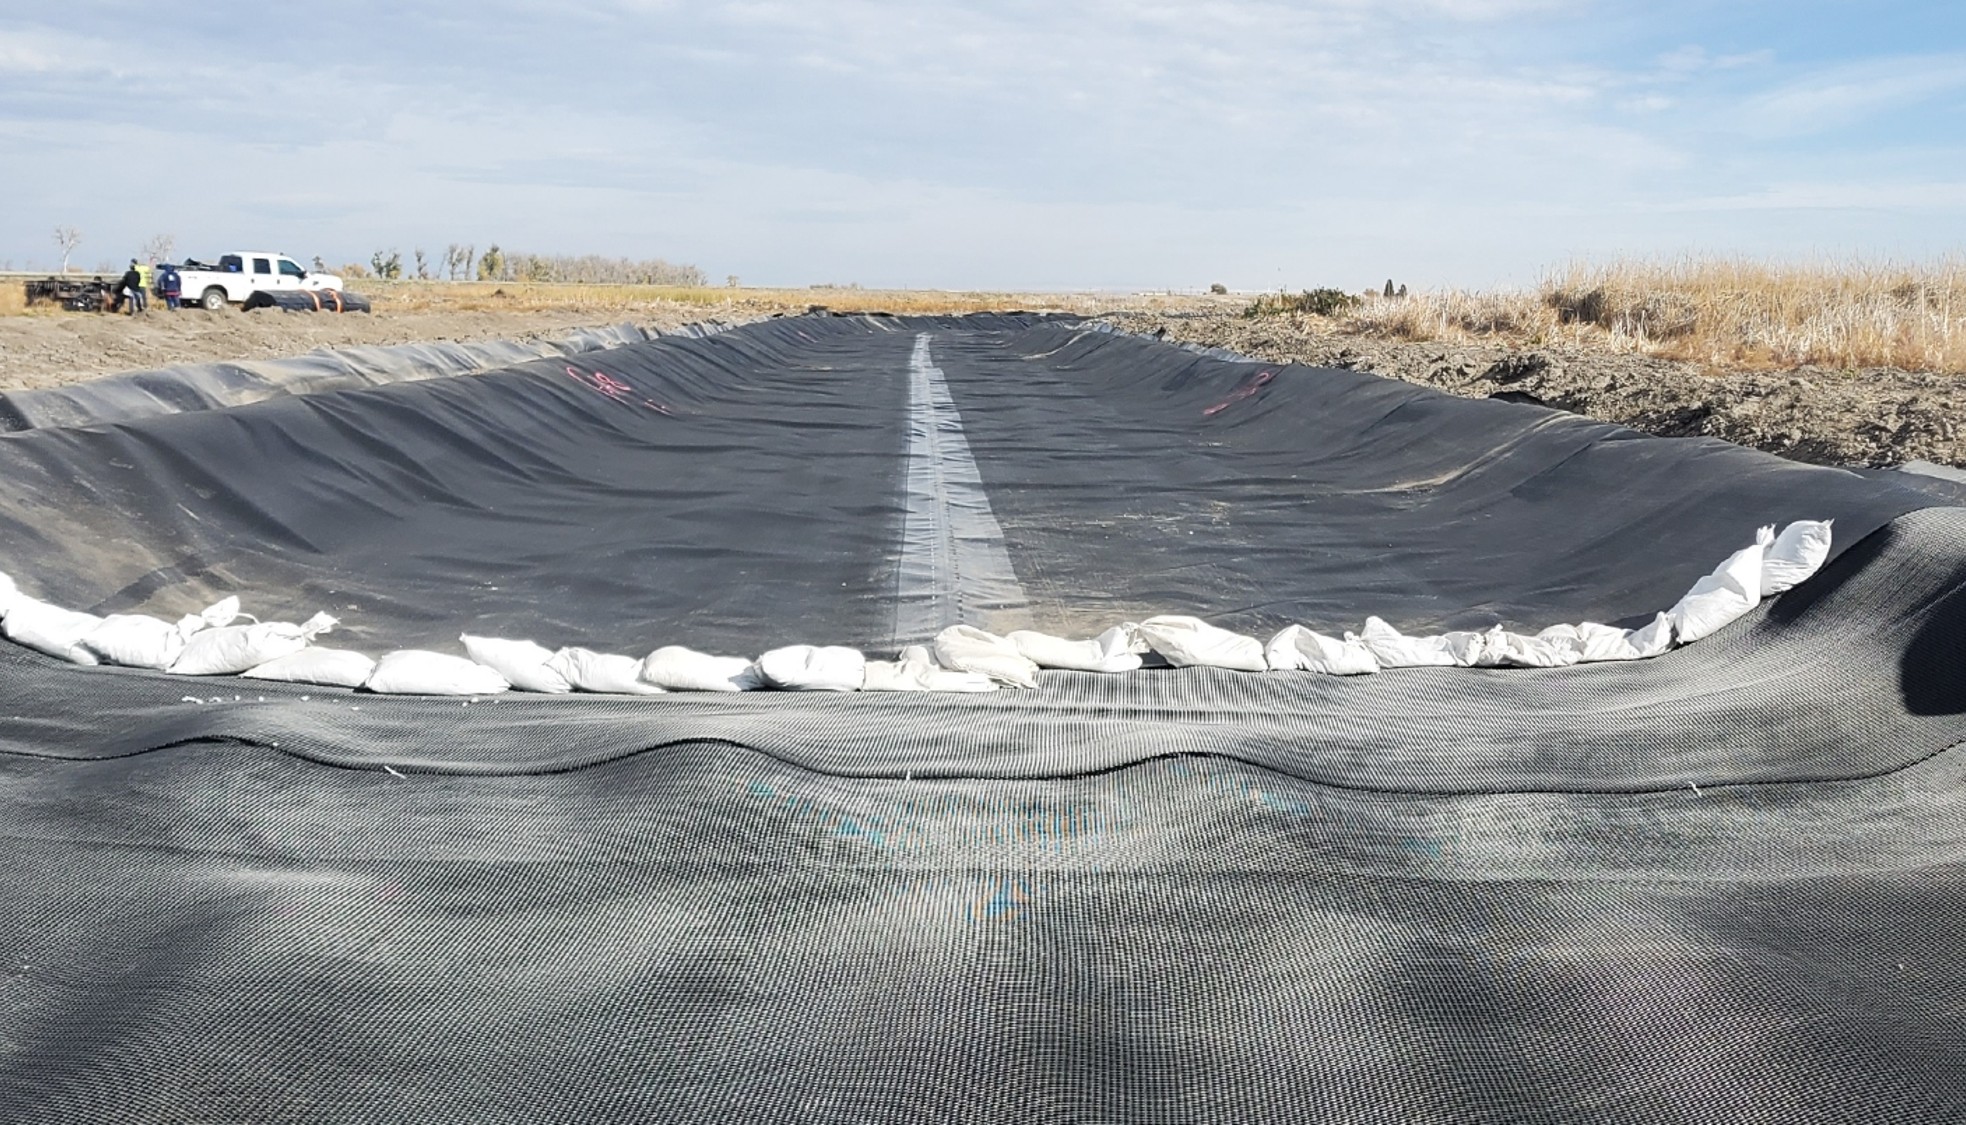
(1720, 885)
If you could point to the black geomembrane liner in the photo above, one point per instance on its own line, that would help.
(1723, 885)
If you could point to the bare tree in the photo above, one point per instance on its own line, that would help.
(68, 238)
(159, 248)
(422, 265)
(595, 269)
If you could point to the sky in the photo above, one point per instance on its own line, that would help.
(1020, 144)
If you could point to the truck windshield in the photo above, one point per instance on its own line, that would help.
(291, 269)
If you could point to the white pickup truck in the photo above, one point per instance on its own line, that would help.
(237, 276)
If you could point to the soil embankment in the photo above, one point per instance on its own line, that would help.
(1874, 417)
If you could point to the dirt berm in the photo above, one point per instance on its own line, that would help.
(1873, 417)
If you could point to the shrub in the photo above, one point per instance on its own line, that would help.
(1317, 302)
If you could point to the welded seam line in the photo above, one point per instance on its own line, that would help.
(953, 567)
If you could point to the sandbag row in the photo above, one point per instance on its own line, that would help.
(962, 658)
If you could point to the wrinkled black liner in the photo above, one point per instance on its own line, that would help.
(1724, 885)
(748, 489)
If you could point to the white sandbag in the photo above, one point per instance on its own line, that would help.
(1470, 649)
(524, 664)
(329, 667)
(232, 649)
(965, 648)
(918, 671)
(1724, 596)
(1110, 651)
(1592, 643)
(416, 672)
(814, 668)
(9, 594)
(1190, 642)
(1556, 647)
(1394, 649)
(137, 640)
(217, 615)
(51, 629)
(601, 672)
(1650, 641)
(675, 668)
(1299, 649)
(1795, 556)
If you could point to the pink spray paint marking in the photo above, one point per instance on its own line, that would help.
(1247, 390)
(611, 387)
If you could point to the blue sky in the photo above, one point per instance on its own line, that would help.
(1100, 144)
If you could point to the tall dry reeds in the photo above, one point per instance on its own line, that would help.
(1729, 312)
(1455, 314)
(1725, 313)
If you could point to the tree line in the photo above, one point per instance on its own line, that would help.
(461, 262)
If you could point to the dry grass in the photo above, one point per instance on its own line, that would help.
(1726, 314)
(1740, 313)
(511, 296)
(1456, 314)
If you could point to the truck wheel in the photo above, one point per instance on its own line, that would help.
(213, 300)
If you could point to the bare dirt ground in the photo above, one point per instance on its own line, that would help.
(42, 346)
(1870, 417)
(50, 350)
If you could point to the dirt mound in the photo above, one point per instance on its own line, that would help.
(1872, 417)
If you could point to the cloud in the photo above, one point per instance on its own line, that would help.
(1894, 196)
(1841, 96)
(40, 51)
(1694, 59)
(1011, 142)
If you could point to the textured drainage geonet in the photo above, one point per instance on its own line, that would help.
(954, 568)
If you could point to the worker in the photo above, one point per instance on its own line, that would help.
(169, 285)
(132, 286)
